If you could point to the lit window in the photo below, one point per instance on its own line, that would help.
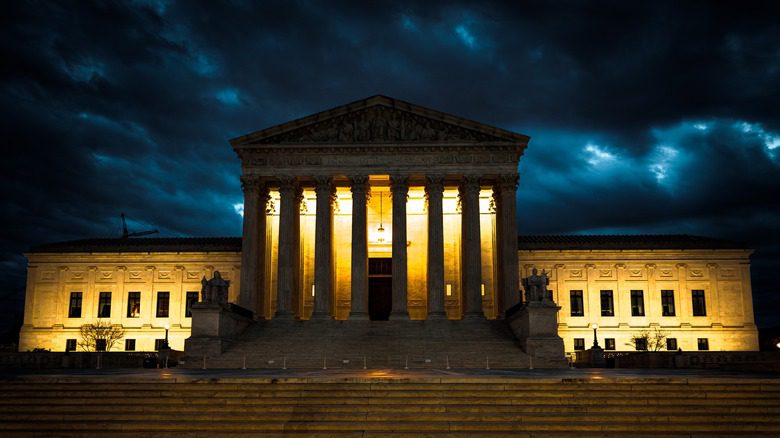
(667, 302)
(133, 304)
(577, 308)
(579, 344)
(104, 305)
(699, 305)
(192, 298)
(637, 303)
(74, 310)
(163, 304)
(671, 344)
(607, 305)
(609, 343)
(704, 344)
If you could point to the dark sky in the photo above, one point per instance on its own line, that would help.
(644, 117)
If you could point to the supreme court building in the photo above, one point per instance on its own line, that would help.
(385, 210)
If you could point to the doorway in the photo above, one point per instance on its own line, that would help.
(380, 288)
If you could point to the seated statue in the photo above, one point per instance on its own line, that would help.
(536, 286)
(215, 291)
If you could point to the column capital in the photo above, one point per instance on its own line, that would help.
(507, 182)
(323, 186)
(399, 185)
(288, 184)
(252, 183)
(434, 183)
(470, 184)
(358, 183)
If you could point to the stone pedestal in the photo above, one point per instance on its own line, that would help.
(535, 325)
(213, 328)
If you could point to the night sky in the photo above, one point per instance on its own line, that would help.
(644, 117)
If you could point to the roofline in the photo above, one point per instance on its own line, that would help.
(248, 139)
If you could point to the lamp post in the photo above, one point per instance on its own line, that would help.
(165, 343)
(595, 337)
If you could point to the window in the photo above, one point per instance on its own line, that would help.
(637, 303)
(192, 298)
(671, 344)
(667, 302)
(163, 301)
(129, 344)
(641, 344)
(609, 343)
(607, 306)
(699, 306)
(577, 308)
(133, 304)
(70, 345)
(104, 305)
(704, 344)
(159, 344)
(579, 344)
(74, 310)
(100, 345)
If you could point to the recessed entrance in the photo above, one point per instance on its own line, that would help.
(380, 288)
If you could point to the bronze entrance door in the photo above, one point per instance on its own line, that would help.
(380, 288)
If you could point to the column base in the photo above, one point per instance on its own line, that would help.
(358, 316)
(437, 315)
(284, 315)
(321, 316)
(398, 316)
(474, 315)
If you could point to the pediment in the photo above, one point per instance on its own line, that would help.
(381, 120)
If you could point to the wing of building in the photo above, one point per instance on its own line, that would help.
(381, 209)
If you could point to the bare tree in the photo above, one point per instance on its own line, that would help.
(649, 341)
(100, 336)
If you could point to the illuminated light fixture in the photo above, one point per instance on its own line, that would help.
(312, 289)
(483, 289)
(381, 230)
(449, 294)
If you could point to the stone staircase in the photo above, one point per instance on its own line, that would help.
(388, 407)
(375, 344)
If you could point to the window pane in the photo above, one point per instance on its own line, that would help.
(637, 303)
(133, 304)
(610, 343)
(577, 308)
(607, 307)
(74, 310)
(641, 344)
(667, 302)
(100, 345)
(704, 344)
(163, 301)
(699, 306)
(70, 345)
(579, 343)
(671, 344)
(159, 344)
(129, 344)
(104, 305)
(192, 298)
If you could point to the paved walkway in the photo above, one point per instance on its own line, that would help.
(183, 375)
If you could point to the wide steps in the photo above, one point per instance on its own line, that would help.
(435, 407)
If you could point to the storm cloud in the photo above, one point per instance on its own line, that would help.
(645, 117)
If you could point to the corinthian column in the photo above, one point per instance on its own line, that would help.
(289, 243)
(505, 192)
(253, 244)
(400, 189)
(471, 260)
(323, 247)
(434, 190)
(359, 248)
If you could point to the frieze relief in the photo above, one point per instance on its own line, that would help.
(78, 275)
(105, 276)
(697, 273)
(728, 273)
(380, 124)
(48, 276)
(666, 272)
(373, 157)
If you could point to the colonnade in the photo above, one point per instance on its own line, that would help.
(256, 195)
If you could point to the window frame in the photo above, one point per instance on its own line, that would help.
(69, 347)
(128, 344)
(102, 305)
(640, 344)
(609, 294)
(671, 347)
(637, 302)
(703, 342)
(188, 304)
(667, 301)
(133, 302)
(609, 344)
(75, 298)
(576, 296)
(579, 344)
(698, 302)
(163, 307)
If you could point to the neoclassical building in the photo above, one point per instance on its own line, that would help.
(385, 210)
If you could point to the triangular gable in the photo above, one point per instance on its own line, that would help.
(379, 119)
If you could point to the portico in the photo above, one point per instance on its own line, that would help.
(379, 178)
